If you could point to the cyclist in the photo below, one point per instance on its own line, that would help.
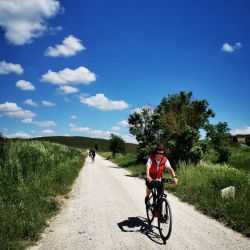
(157, 162)
(92, 154)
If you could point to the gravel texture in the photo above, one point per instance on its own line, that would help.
(106, 210)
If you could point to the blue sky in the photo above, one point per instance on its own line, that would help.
(80, 67)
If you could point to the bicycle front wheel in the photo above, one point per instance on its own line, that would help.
(165, 220)
(150, 209)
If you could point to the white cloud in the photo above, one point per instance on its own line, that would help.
(73, 117)
(129, 139)
(123, 123)
(24, 20)
(69, 76)
(48, 104)
(25, 85)
(69, 47)
(115, 128)
(47, 132)
(73, 127)
(67, 89)
(242, 131)
(6, 68)
(101, 102)
(230, 48)
(18, 135)
(10, 109)
(90, 132)
(42, 124)
(30, 102)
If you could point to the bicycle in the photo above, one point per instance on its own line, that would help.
(158, 206)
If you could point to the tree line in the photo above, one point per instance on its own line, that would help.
(176, 123)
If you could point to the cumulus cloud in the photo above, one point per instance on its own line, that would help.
(25, 85)
(73, 117)
(18, 135)
(73, 127)
(69, 47)
(115, 128)
(7, 68)
(123, 123)
(24, 20)
(30, 102)
(101, 102)
(48, 104)
(42, 124)
(69, 76)
(241, 131)
(129, 139)
(90, 132)
(12, 110)
(47, 132)
(67, 90)
(230, 48)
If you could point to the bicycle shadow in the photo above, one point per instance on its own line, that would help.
(140, 224)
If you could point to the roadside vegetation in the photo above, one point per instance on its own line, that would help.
(203, 166)
(33, 176)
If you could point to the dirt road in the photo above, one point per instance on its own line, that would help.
(106, 211)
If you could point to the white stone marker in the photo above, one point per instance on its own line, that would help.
(228, 192)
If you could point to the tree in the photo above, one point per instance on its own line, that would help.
(116, 144)
(181, 118)
(144, 124)
(96, 147)
(219, 137)
(247, 140)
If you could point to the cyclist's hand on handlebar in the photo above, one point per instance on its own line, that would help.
(175, 180)
(149, 179)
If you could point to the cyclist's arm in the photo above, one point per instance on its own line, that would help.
(172, 172)
(148, 165)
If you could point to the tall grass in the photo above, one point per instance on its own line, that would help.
(32, 174)
(201, 185)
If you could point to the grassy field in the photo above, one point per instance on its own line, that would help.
(85, 142)
(239, 158)
(200, 185)
(32, 176)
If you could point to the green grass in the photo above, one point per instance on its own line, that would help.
(239, 158)
(32, 175)
(200, 185)
(85, 142)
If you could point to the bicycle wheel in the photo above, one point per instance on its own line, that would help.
(150, 209)
(165, 220)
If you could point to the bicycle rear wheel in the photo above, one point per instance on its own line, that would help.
(150, 209)
(165, 220)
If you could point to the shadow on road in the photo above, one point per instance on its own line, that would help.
(140, 225)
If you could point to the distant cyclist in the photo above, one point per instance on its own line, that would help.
(92, 154)
(157, 162)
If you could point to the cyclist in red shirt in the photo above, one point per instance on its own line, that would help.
(155, 166)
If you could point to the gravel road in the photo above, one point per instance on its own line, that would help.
(106, 210)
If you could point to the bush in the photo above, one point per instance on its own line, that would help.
(116, 144)
(247, 140)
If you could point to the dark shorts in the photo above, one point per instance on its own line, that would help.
(153, 184)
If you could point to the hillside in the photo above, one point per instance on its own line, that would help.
(85, 142)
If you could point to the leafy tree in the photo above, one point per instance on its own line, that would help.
(96, 147)
(247, 140)
(116, 144)
(181, 118)
(144, 124)
(219, 137)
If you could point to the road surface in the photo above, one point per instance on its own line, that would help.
(106, 210)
